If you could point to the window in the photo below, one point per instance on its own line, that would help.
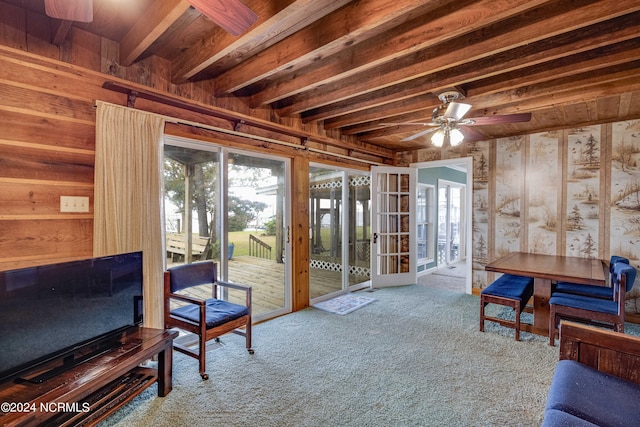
(425, 223)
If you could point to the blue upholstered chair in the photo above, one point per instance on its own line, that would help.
(208, 318)
(605, 312)
(596, 291)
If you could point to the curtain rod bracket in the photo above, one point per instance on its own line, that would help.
(131, 98)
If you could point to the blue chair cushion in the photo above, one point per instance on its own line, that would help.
(592, 290)
(511, 286)
(584, 303)
(594, 396)
(217, 313)
(595, 291)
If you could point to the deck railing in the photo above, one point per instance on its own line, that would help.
(258, 248)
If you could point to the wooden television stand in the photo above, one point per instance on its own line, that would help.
(91, 390)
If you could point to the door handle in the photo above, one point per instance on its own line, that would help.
(375, 238)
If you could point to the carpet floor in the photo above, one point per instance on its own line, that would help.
(414, 357)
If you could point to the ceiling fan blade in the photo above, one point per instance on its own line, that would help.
(471, 134)
(232, 15)
(411, 124)
(505, 118)
(70, 10)
(419, 134)
(456, 110)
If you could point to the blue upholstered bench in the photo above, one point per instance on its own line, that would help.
(508, 290)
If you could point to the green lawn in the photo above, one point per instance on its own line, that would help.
(240, 239)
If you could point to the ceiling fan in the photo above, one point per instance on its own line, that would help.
(232, 15)
(447, 119)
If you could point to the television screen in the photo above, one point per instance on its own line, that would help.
(51, 310)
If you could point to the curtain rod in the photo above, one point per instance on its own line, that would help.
(134, 93)
(175, 120)
(264, 139)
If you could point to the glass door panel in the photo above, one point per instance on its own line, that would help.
(257, 230)
(359, 217)
(339, 211)
(191, 179)
(325, 221)
(450, 211)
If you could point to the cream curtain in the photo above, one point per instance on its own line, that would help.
(128, 212)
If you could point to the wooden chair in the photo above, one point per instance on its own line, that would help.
(208, 318)
(593, 310)
(596, 291)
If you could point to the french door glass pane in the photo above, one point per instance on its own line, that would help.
(394, 225)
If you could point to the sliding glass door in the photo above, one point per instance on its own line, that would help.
(230, 207)
(339, 216)
(257, 229)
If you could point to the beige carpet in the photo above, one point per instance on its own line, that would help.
(414, 357)
(452, 279)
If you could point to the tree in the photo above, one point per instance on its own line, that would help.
(203, 189)
(589, 247)
(242, 212)
(574, 218)
(591, 151)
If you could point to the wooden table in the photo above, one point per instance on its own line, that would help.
(546, 269)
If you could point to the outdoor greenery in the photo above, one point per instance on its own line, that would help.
(240, 240)
(242, 212)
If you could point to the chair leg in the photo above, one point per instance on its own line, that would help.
(517, 313)
(552, 327)
(202, 357)
(248, 337)
(482, 305)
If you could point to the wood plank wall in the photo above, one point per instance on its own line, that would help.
(47, 139)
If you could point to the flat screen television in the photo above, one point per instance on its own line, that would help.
(57, 311)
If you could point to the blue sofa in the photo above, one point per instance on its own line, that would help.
(597, 380)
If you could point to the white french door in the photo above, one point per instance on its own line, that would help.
(394, 248)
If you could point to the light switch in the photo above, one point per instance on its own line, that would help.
(74, 204)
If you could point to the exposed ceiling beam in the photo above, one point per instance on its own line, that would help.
(325, 37)
(153, 24)
(517, 32)
(391, 46)
(276, 21)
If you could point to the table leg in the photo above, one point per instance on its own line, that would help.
(165, 368)
(541, 296)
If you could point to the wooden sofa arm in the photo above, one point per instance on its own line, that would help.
(607, 351)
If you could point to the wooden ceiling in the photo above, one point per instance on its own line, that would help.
(355, 65)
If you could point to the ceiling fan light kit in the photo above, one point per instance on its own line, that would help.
(447, 137)
(447, 117)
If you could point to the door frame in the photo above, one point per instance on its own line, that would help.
(465, 163)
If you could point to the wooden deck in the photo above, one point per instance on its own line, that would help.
(266, 277)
